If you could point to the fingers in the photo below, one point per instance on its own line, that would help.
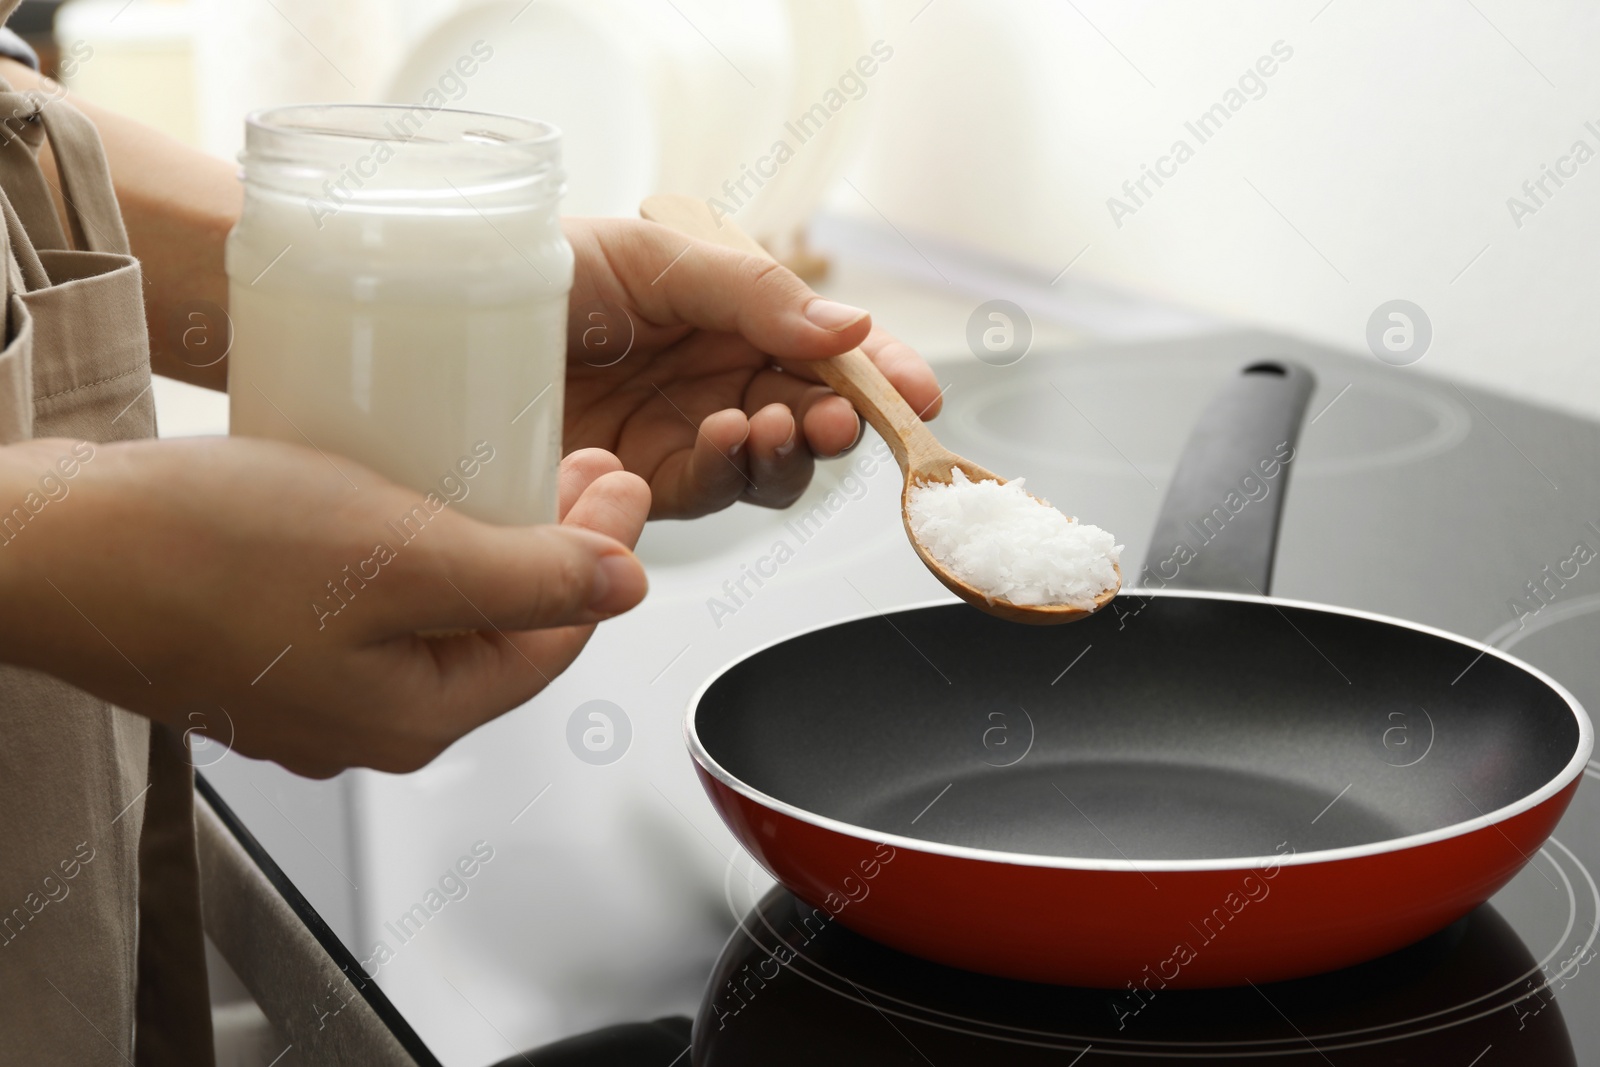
(759, 458)
(779, 464)
(765, 458)
(614, 505)
(829, 425)
(678, 280)
(507, 609)
(709, 475)
(906, 370)
(507, 660)
(579, 470)
(833, 427)
(597, 495)
(461, 574)
(463, 681)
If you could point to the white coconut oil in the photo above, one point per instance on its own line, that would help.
(1011, 546)
(398, 286)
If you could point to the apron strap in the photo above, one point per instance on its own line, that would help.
(173, 1013)
(16, 351)
(23, 180)
(25, 271)
(85, 179)
(10, 274)
(86, 186)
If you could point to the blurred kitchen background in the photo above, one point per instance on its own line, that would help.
(1376, 163)
(1340, 154)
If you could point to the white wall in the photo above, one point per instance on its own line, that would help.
(1376, 166)
(1391, 141)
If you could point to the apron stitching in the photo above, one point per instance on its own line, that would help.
(86, 385)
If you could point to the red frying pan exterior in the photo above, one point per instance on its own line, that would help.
(1116, 928)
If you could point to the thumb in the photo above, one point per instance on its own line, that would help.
(680, 280)
(481, 576)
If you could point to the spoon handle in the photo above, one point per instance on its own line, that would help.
(852, 375)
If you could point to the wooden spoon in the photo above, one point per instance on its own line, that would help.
(855, 377)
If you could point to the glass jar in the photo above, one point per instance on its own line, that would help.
(398, 287)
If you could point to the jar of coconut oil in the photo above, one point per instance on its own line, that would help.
(398, 287)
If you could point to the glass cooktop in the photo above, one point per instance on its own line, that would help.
(1508, 984)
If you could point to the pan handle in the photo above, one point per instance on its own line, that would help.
(1218, 526)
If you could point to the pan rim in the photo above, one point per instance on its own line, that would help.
(1568, 774)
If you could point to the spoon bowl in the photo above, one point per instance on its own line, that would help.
(855, 377)
(937, 469)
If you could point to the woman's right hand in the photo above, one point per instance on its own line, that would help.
(186, 576)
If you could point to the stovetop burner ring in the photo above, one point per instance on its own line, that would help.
(1437, 422)
(1521, 985)
(1513, 633)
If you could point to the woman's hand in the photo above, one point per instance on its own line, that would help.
(690, 362)
(232, 580)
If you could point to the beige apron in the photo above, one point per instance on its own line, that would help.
(101, 951)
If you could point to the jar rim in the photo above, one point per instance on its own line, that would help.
(387, 157)
(275, 122)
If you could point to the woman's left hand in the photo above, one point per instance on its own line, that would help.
(691, 363)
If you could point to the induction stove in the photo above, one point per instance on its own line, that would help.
(1412, 496)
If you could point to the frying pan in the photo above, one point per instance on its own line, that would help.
(1200, 785)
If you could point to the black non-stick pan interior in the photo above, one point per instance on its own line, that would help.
(1194, 727)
